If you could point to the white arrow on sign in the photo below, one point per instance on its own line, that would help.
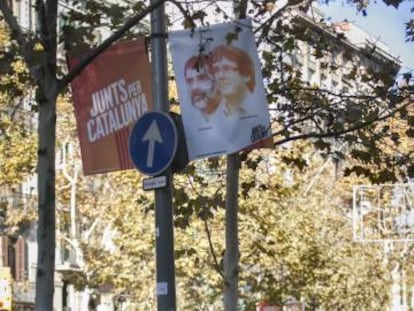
(152, 135)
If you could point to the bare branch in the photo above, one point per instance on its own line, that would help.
(210, 244)
(184, 12)
(290, 5)
(240, 9)
(16, 31)
(89, 57)
(42, 21)
(348, 130)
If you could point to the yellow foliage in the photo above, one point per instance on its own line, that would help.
(38, 47)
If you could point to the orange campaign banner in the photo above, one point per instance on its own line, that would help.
(110, 95)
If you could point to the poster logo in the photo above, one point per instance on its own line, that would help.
(110, 95)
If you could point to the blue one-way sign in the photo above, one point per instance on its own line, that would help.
(153, 143)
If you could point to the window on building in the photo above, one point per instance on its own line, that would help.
(20, 272)
(345, 90)
(335, 86)
(324, 81)
(14, 255)
(312, 76)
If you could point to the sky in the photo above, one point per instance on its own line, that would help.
(384, 22)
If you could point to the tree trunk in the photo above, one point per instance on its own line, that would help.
(46, 195)
(231, 255)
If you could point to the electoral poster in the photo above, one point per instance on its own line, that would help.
(220, 87)
(110, 95)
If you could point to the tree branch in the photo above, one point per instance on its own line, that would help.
(184, 12)
(290, 5)
(210, 244)
(89, 57)
(51, 12)
(339, 133)
(16, 31)
(42, 22)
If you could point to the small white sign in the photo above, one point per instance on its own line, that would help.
(162, 288)
(154, 183)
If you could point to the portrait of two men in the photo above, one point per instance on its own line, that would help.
(221, 92)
